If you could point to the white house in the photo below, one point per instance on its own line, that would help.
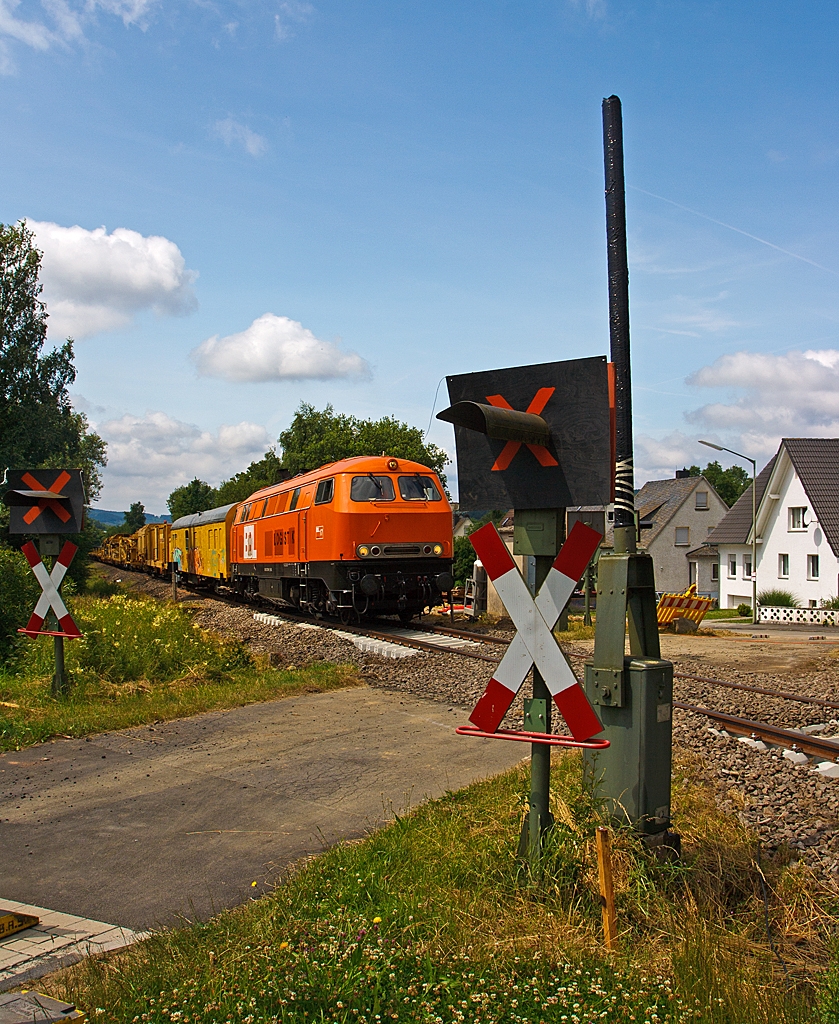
(797, 527)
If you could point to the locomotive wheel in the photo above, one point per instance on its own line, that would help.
(405, 616)
(346, 616)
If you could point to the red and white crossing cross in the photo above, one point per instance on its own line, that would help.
(534, 641)
(50, 583)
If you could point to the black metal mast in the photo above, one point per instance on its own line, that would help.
(619, 322)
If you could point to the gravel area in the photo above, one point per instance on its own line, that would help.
(788, 805)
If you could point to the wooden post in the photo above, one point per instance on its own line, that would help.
(174, 581)
(607, 891)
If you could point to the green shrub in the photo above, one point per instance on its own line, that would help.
(744, 610)
(831, 602)
(19, 592)
(127, 639)
(778, 599)
(464, 559)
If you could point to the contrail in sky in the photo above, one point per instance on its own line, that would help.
(739, 231)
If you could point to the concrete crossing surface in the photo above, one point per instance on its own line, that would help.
(150, 825)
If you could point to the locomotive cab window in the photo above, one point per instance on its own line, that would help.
(325, 491)
(418, 488)
(295, 497)
(372, 488)
(242, 514)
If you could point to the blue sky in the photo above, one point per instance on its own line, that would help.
(274, 201)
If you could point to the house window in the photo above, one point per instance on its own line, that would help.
(797, 517)
(732, 567)
(747, 567)
(701, 499)
(783, 567)
(682, 536)
(812, 567)
(715, 572)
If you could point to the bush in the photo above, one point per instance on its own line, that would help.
(831, 602)
(127, 639)
(19, 592)
(778, 599)
(464, 559)
(744, 610)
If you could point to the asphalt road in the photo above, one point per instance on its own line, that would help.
(142, 826)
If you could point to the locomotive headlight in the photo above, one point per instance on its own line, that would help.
(438, 549)
(362, 551)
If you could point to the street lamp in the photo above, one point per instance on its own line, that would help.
(740, 455)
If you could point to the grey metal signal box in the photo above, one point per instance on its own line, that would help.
(633, 694)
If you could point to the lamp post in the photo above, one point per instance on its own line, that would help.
(740, 455)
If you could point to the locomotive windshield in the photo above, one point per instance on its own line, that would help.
(372, 488)
(418, 488)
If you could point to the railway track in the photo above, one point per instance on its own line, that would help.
(790, 739)
(471, 644)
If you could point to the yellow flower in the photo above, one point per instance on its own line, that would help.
(377, 920)
(283, 945)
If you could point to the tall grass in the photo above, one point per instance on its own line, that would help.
(431, 919)
(778, 599)
(138, 660)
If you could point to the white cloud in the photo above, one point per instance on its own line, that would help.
(149, 456)
(66, 23)
(593, 8)
(659, 458)
(95, 281)
(291, 12)
(233, 133)
(275, 348)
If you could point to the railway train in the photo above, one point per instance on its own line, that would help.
(364, 536)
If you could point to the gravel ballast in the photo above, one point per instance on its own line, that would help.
(788, 805)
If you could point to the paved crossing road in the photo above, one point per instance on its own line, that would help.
(139, 826)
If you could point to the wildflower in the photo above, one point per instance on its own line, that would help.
(377, 920)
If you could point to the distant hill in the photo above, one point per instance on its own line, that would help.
(115, 518)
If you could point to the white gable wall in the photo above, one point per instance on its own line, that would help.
(737, 588)
(780, 537)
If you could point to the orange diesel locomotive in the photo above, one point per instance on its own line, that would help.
(356, 537)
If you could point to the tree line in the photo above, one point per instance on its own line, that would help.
(314, 438)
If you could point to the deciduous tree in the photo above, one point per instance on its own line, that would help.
(728, 483)
(196, 496)
(38, 426)
(316, 437)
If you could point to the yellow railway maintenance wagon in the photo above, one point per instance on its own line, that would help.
(153, 548)
(200, 543)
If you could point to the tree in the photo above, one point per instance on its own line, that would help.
(262, 473)
(135, 517)
(38, 426)
(196, 496)
(316, 437)
(728, 483)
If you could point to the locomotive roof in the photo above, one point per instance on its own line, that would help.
(212, 515)
(367, 463)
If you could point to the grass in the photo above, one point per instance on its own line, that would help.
(723, 613)
(432, 920)
(139, 660)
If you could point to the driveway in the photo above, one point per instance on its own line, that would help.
(142, 826)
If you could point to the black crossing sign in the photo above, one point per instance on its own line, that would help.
(533, 436)
(45, 500)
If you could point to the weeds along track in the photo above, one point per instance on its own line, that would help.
(776, 783)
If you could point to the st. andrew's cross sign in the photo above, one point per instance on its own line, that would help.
(533, 436)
